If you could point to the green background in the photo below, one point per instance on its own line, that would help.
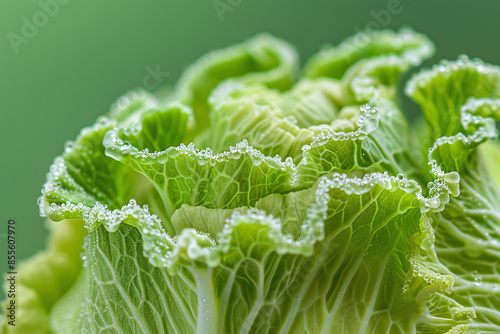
(91, 52)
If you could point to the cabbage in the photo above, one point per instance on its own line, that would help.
(255, 198)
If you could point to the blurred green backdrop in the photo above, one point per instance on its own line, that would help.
(58, 77)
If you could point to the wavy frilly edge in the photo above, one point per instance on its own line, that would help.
(164, 250)
(198, 249)
(442, 99)
(477, 115)
(409, 45)
(447, 67)
(191, 247)
(168, 251)
(276, 62)
(128, 110)
(477, 119)
(61, 189)
(257, 47)
(119, 149)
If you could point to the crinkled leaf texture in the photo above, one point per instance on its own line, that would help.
(252, 200)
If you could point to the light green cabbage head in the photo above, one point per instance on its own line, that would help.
(257, 198)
